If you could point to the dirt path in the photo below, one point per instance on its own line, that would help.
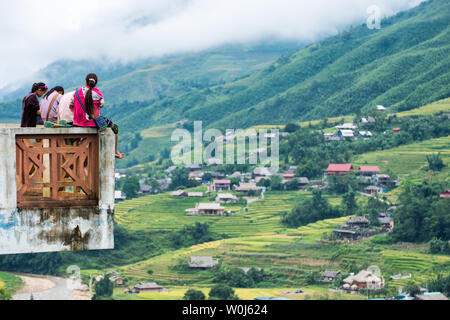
(49, 288)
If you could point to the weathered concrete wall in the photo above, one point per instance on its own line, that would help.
(56, 229)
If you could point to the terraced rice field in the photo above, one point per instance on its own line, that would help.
(409, 160)
(261, 246)
(165, 213)
(433, 108)
(418, 264)
(177, 293)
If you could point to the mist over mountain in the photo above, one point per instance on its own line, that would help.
(122, 32)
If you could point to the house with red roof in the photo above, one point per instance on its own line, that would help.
(446, 194)
(288, 177)
(368, 171)
(220, 185)
(339, 169)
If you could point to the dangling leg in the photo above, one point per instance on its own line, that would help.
(115, 129)
(118, 154)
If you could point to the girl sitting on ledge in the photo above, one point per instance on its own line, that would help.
(30, 105)
(86, 104)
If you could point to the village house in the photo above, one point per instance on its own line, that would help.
(364, 279)
(236, 175)
(317, 184)
(207, 209)
(119, 196)
(288, 177)
(396, 130)
(217, 175)
(357, 222)
(329, 137)
(381, 108)
(195, 194)
(368, 120)
(118, 175)
(339, 169)
(446, 194)
(329, 275)
(365, 134)
(117, 280)
(196, 175)
(261, 173)
(164, 183)
(386, 180)
(148, 287)
(372, 190)
(346, 134)
(202, 262)
(179, 194)
(220, 185)
(226, 198)
(303, 182)
(145, 189)
(386, 222)
(368, 171)
(341, 233)
(245, 187)
(193, 167)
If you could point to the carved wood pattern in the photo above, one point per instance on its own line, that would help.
(57, 171)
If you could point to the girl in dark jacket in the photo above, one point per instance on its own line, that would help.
(30, 105)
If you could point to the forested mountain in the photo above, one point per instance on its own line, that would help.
(402, 66)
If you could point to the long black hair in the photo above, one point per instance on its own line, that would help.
(91, 82)
(57, 89)
(37, 86)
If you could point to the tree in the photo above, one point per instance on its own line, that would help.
(4, 295)
(156, 187)
(435, 162)
(313, 277)
(103, 289)
(131, 187)
(349, 204)
(276, 183)
(412, 288)
(422, 215)
(292, 184)
(310, 210)
(440, 284)
(222, 292)
(194, 295)
(291, 127)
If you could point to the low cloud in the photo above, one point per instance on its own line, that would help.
(36, 33)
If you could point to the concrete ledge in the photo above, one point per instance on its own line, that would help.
(55, 229)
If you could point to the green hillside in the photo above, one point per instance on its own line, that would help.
(402, 66)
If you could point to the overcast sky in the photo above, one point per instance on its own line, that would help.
(36, 33)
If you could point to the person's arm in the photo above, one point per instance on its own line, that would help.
(34, 105)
